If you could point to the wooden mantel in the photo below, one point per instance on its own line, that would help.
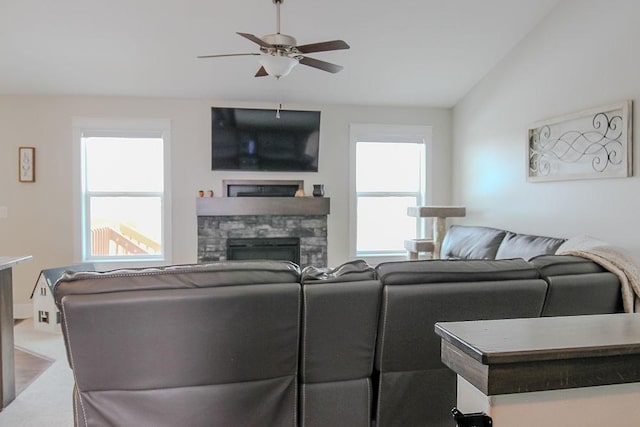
(227, 206)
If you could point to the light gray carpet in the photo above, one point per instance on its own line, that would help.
(29, 366)
(47, 400)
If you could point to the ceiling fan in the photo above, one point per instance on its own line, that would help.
(279, 52)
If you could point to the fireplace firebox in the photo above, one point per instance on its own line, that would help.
(250, 188)
(272, 248)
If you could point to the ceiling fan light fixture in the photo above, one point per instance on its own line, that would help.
(277, 65)
(279, 53)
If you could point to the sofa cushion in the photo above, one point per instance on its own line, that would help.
(171, 346)
(562, 265)
(527, 246)
(332, 404)
(440, 271)
(339, 325)
(415, 388)
(592, 293)
(471, 242)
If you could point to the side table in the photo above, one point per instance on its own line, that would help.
(550, 371)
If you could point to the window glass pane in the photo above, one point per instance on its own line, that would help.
(383, 224)
(124, 164)
(388, 167)
(125, 226)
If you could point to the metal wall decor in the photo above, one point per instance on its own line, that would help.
(594, 143)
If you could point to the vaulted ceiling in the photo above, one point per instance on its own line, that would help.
(403, 52)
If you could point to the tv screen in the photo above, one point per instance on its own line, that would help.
(256, 140)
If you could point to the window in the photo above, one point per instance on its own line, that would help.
(389, 165)
(124, 191)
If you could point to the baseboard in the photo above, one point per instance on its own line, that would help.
(22, 311)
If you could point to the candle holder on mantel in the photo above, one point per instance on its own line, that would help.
(318, 190)
(439, 215)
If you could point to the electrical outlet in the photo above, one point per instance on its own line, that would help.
(4, 212)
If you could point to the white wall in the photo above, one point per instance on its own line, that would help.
(41, 217)
(584, 54)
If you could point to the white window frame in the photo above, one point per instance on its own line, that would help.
(387, 134)
(83, 127)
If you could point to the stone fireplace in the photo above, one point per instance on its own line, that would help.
(224, 220)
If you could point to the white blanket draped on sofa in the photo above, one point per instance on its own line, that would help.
(616, 260)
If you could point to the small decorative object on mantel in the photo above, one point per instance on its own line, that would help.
(318, 190)
(26, 164)
(299, 192)
(594, 143)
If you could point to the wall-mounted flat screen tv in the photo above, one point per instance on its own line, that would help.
(258, 140)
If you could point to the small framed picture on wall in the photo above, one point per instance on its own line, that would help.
(26, 164)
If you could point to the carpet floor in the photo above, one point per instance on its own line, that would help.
(45, 399)
(29, 366)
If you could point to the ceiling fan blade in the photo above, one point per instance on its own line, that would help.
(322, 65)
(323, 46)
(261, 72)
(229, 54)
(256, 40)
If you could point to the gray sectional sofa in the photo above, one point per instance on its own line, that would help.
(266, 344)
(414, 387)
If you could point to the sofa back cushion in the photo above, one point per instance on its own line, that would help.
(445, 290)
(578, 286)
(339, 327)
(527, 246)
(471, 242)
(199, 343)
(418, 294)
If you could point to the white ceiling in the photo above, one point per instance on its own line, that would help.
(403, 52)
